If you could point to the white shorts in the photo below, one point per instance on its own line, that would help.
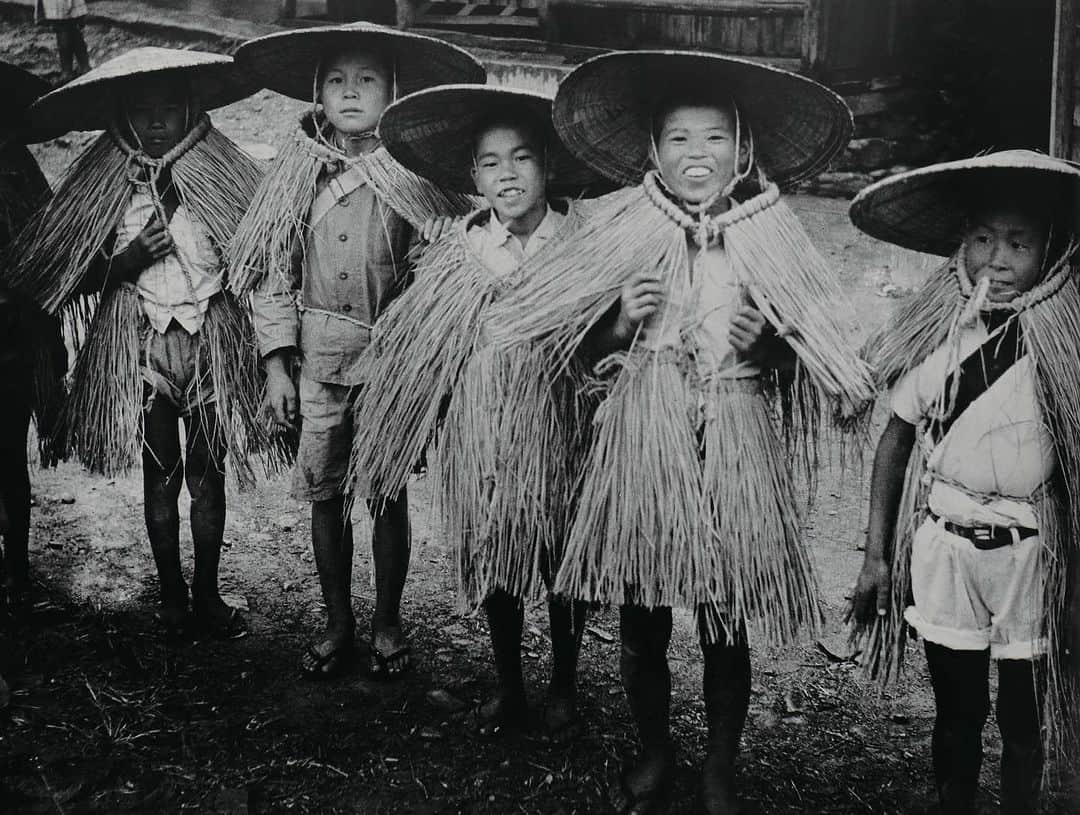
(970, 599)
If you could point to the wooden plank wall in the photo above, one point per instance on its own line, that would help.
(859, 39)
(743, 34)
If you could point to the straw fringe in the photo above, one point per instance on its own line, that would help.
(917, 328)
(56, 248)
(1052, 336)
(264, 241)
(638, 527)
(419, 347)
(883, 643)
(764, 576)
(794, 287)
(505, 477)
(509, 439)
(102, 420)
(227, 345)
(271, 229)
(217, 180)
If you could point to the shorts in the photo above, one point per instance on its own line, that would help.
(326, 437)
(969, 599)
(173, 368)
(53, 11)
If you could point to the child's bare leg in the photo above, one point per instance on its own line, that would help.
(205, 475)
(645, 635)
(505, 616)
(162, 478)
(78, 42)
(391, 544)
(726, 684)
(567, 620)
(15, 496)
(961, 682)
(332, 540)
(1021, 690)
(65, 47)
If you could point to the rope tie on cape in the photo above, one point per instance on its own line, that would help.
(976, 294)
(974, 297)
(708, 230)
(332, 157)
(143, 173)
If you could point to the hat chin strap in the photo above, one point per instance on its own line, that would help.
(701, 209)
(315, 109)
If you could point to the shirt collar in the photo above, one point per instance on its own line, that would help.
(544, 232)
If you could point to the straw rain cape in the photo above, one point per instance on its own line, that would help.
(277, 218)
(1049, 316)
(55, 252)
(508, 438)
(688, 497)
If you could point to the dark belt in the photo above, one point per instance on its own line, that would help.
(988, 537)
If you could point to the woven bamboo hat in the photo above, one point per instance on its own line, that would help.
(925, 209)
(88, 102)
(432, 132)
(21, 88)
(604, 110)
(287, 61)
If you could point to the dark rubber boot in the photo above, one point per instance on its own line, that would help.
(726, 685)
(1021, 689)
(961, 681)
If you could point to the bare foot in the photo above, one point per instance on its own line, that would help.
(644, 788)
(391, 654)
(718, 786)
(217, 618)
(506, 710)
(326, 658)
(561, 722)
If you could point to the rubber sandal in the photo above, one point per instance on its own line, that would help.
(324, 666)
(380, 663)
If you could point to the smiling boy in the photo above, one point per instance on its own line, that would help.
(975, 363)
(343, 261)
(505, 503)
(684, 288)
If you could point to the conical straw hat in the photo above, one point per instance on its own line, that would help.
(20, 89)
(89, 102)
(286, 62)
(604, 110)
(925, 209)
(432, 133)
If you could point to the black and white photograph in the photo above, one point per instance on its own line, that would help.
(554, 407)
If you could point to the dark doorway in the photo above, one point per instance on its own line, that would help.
(992, 61)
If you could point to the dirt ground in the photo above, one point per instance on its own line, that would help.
(106, 717)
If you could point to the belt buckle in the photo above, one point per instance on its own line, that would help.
(983, 534)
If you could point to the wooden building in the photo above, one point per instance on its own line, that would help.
(1065, 89)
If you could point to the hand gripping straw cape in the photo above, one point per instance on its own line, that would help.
(925, 210)
(510, 444)
(289, 62)
(54, 252)
(688, 497)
